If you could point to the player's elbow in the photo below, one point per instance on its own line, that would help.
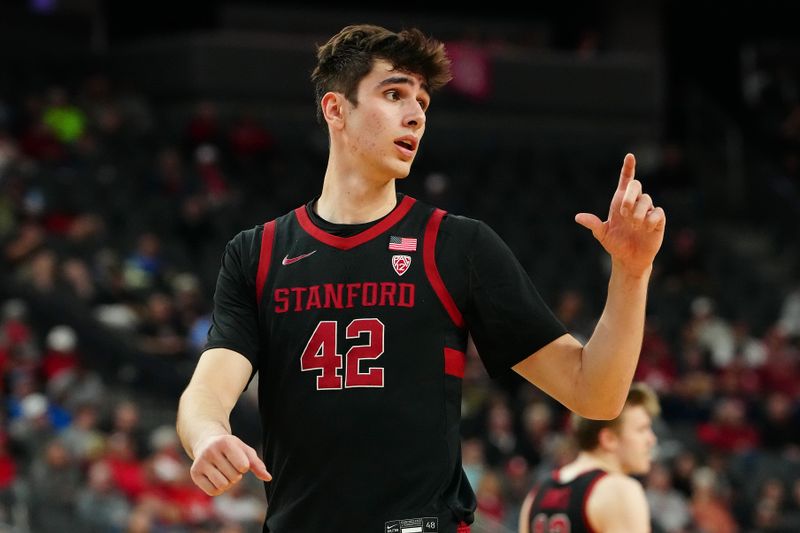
(606, 409)
(603, 414)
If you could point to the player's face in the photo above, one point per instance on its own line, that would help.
(636, 440)
(386, 126)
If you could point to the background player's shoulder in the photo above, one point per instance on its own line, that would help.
(618, 501)
(615, 488)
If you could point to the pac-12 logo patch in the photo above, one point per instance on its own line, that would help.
(413, 525)
(401, 263)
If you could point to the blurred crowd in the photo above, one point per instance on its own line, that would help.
(76, 456)
(123, 210)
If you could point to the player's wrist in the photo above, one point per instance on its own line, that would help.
(207, 439)
(633, 272)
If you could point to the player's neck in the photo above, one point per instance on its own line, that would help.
(353, 200)
(590, 461)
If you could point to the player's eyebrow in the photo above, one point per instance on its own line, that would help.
(392, 80)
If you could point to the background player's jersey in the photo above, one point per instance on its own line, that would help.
(561, 507)
(359, 345)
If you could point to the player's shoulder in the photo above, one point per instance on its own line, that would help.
(460, 225)
(250, 238)
(246, 244)
(246, 238)
(614, 483)
(461, 222)
(618, 503)
(616, 497)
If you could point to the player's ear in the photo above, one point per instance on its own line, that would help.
(607, 438)
(333, 109)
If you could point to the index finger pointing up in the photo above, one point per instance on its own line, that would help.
(628, 172)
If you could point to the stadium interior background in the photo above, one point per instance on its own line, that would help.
(137, 138)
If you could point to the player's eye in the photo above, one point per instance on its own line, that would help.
(423, 104)
(392, 95)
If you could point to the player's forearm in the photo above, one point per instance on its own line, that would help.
(200, 415)
(610, 356)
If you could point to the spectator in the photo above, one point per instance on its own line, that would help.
(55, 480)
(33, 426)
(204, 126)
(789, 320)
(8, 477)
(571, 311)
(248, 139)
(145, 267)
(501, 441)
(61, 355)
(473, 460)
(81, 438)
(241, 505)
(126, 419)
(100, 505)
(669, 509)
(728, 431)
(127, 470)
(162, 333)
(781, 370)
(780, 431)
(65, 120)
(489, 492)
(710, 513)
(712, 333)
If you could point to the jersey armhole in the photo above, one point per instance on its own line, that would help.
(432, 271)
(264, 259)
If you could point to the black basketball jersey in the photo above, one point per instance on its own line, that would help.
(360, 355)
(561, 507)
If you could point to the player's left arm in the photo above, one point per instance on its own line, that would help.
(593, 380)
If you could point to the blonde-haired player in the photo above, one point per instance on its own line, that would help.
(595, 493)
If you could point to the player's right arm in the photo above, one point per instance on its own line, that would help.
(525, 513)
(617, 504)
(222, 373)
(220, 458)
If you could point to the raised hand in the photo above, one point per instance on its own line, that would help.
(634, 231)
(221, 462)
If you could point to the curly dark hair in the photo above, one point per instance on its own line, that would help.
(349, 55)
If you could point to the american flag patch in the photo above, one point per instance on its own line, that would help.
(406, 244)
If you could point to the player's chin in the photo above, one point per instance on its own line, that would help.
(644, 467)
(402, 171)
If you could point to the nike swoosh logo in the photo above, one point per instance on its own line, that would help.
(289, 261)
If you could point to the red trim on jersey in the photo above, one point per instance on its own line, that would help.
(454, 362)
(264, 258)
(429, 258)
(589, 527)
(463, 527)
(346, 243)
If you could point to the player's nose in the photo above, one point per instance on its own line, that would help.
(415, 117)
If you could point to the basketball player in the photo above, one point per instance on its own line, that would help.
(355, 308)
(594, 493)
